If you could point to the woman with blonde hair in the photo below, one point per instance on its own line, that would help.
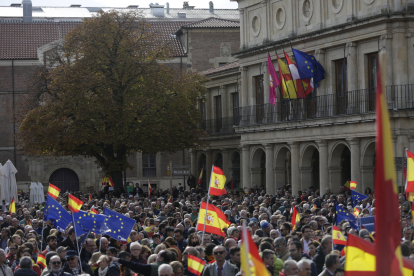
(160, 247)
(102, 266)
(152, 259)
(178, 268)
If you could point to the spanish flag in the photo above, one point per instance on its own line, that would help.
(356, 212)
(215, 220)
(361, 260)
(387, 226)
(295, 218)
(251, 262)
(149, 189)
(217, 182)
(353, 185)
(94, 211)
(74, 203)
(200, 178)
(287, 87)
(195, 265)
(171, 198)
(409, 179)
(41, 261)
(90, 197)
(53, 191)
(338, 237)
(12, 208)
(107, 179)
(347, 186)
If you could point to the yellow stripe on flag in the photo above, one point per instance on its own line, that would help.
(74, 203)
(12, 207)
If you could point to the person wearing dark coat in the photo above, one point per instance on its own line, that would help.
(72, 264)
(25, 268)
(55, 265)
(321, 252)
(70, 241)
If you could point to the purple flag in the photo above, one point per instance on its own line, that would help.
(273, 80)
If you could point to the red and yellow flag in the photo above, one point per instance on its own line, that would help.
(90, 197)
(251, 262)
(149, 189)
(200, 178)
(12, 208)
(195, 265)
(387, 226)
(217, 182)
(53, 191)
(215, 219)
(74, 203)
(361, 260)
(41, 261)
(94, 211)
(356, 212)
(338, 237)
(295, 217)
(171, 198)
(347, 186)
(287, 87)
(107, 179)
(409, 178)
(353, 185)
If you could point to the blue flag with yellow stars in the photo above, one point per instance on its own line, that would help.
(120, 225)
(357, 197)
(90, 222)
(342, 214)
(309, 67)
(58, 215)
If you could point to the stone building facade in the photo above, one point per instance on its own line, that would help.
(329, 137)
(22, 45)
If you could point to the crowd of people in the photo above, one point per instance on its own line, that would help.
(165, 234)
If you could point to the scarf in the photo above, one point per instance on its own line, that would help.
(27, 222)
(102, 272)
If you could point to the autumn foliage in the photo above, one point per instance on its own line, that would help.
(104, 93)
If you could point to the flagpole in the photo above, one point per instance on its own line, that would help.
(76, 240)
(208, 199)
(41, 241)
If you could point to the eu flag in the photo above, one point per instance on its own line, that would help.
(58, 215)
(90, 222)
(357, 197)
(308, 67)
(120, 226)
(342, 214)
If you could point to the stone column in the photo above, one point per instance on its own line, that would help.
(244, 86)
(264, 23)
(245, 167)
(209, 164)
(194, 163)
(320, 56)
(352, 75)
(355, 162)
(323, 166)
(226, 163)
(399, 56)
(242, 37)
(294, 149)
(224, 102)
(270, 183)
(386, 48)
(410, 57)
(265, 83)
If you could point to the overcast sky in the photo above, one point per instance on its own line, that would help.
(218, 4)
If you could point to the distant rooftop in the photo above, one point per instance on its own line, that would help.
(228, 66)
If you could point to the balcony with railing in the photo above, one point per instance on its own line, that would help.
(399, 97)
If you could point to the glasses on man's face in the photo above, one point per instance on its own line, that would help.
(56, 263)
(278, 246)
(218, 252)
(70, 259)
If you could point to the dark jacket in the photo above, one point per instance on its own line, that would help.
(61, 273)
(319, 259)
(113, 269)
(144, 269)
(85, 268)
(25, 272)
(229, 270)
(67, 242)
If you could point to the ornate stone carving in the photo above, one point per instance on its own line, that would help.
(280, 16)
(337, 5)
(256, 25)
(225, 49)
(307, 10)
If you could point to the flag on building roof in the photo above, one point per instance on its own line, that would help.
(195, 265)
(353, 185)
(309, 67)
(273, 81)
(303, 86)
(217, 182)
(295, 217)
(120, 225)
(409, 179)
(251, 262)
(387, 225)
(74, 203)
(338, 237)
(200, 178)
(357, 197)
(41, 261)
(12, 207)
(287, 87)
(53, 191)
(215, 220)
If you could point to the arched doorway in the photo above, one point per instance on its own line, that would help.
(235, 167)
(283, 168)
(218, 160)
(202, 166)
(65, 179)
(368, 167)
(258, 169)
(310, 168)
(340, 167)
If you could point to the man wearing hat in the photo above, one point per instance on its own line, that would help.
(62, 253)
(266, 229)
(72, 265)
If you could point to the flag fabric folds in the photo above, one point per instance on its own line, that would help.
(149, 189)
(215, 222)
(41, 261)
(90, 197)
(387, 226)
(295, 218)
(309, 67)
(74, 203)
(89, 222)
(107, 179)
(357, 197)
(217, 182)
(273, 81)
(195, 265)
(94, 211)
(287, 87)
(342, 214)
(337, 236)
(200, 178)
(53, 191)
(170, 199)
(353, 185)
(356, 212)
(304, 88)
(12, 207)
(251, 262)
(409, 179)
(347, 186)
(121, 226)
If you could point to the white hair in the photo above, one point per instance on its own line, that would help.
(135, 244)
(305, 206)
(165, 267)
(302, 262)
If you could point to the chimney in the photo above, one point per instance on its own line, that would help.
(27, 11)
(157, 10)
(168, 7)
(211, 6)
(185, 5)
